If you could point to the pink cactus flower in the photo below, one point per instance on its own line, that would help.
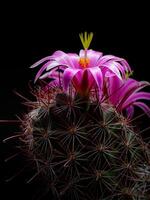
(125, 94)
(108, 75)
(84, 71)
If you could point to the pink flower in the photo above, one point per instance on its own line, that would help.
(84, 71)
(107, 76)
(126, 94)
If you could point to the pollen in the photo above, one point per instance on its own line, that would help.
(84, 62)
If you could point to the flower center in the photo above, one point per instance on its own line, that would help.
(84, 62)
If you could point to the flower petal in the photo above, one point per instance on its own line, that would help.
(53, 65)
(52, 74)
(108, 74)
(120, 63)
(58, 54)
(143, 106)
(128, 88)
(82, 53)
(87, 81)
(97, 75)
(46, 75)
(63, 59)
(114, 87)
(68, 76)
(130, 111)
(113, 67)
(125, 65)
(107, 58)
(74, 59)
(135, 97)
(41, 61)
(41, 71)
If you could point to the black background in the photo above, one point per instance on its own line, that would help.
(30, 32)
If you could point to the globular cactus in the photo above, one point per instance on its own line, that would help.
(81, 132)
(87, 150)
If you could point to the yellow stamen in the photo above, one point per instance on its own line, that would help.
(128, 74)
(84, 62)
(86, 39)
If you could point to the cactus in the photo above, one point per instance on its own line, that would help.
(80, 131)
(86, 149)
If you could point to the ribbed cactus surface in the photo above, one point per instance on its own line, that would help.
(86, 150)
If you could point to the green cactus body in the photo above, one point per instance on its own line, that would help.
(86, 150)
